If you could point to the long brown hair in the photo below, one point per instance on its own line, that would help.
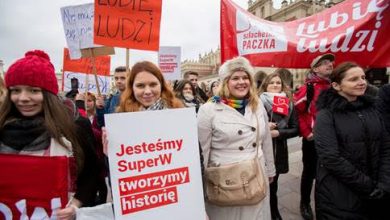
(57, 120)
(2, 89)
(268, 78)
(128, 102)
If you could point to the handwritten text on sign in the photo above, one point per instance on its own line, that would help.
(129, 24)
(78, 27)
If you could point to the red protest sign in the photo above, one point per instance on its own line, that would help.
(352, 30)
(129, 24)
(84, 65)
(32, 187)
(280, 105)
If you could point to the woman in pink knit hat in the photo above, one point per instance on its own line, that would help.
(34, 121)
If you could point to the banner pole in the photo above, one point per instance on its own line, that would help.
(94, 71)
(128, 60)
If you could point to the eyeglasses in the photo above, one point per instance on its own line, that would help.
(324, 62)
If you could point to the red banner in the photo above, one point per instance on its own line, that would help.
(32, 187)
(352, 30)
(84, 65)
(280, 105)
(130, 24)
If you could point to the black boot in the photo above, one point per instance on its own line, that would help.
(306, 211)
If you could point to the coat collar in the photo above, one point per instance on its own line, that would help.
(248, 119)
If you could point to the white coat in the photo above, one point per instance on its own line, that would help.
(226, 136)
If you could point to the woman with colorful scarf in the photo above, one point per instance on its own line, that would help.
(231, 126)
(282, 126)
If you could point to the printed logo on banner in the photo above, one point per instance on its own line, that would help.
(255, 36)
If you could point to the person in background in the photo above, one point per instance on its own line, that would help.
(228, 125)
(213, 91)
(33, 110)
(109, 105)
(259, 77)
(93, 135)
(91, 106)
(353, 148)
(305, 99)
(287, 78)
(282, 127)
(193, 78)
(186, 93)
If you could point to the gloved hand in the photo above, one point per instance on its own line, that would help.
(377, 193)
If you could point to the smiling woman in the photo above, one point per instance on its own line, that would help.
(232, 128)
(34, 121)
(146, 89)
(353, 148)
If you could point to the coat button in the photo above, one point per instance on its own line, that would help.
(241, 148)
(239, 132)
(254, 144)
(253, 129)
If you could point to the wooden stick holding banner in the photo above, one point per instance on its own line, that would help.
(128, 60)
(86, 91)
(94, 70)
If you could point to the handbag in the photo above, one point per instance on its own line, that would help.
(236, 184)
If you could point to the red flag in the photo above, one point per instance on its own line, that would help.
(280, 105)
(32, 187)
(351, 30)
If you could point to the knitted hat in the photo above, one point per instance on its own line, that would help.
(233, 65)
(35, 69)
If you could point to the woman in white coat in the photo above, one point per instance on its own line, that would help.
(228, 128)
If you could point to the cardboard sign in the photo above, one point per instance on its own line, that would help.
(78, 27)
(280, 105)
(104, 82)
(169, 62)
(32, 187)
(155, 165)
(84, 65)
(129, 24)
(352, 30)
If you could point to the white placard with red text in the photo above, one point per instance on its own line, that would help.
(154, 165)
(169, 62)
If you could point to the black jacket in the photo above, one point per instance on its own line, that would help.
(280, 143)
(353, 156)
(383, 104)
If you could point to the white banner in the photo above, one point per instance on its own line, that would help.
(78, 27)
(155, 165)
(169, 62)
(104, 82)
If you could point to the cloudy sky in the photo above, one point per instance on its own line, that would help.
(37, 24)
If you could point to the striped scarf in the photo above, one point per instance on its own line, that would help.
(234, 103)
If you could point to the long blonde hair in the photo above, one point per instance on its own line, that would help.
(253, 99)
(128, 102)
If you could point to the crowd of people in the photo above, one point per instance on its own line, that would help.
(344, 130)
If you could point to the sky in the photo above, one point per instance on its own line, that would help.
(36, 24)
